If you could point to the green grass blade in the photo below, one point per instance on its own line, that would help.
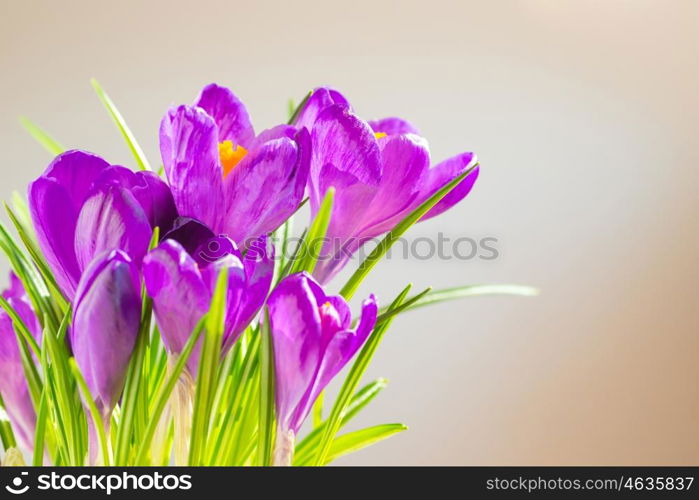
(352, 381)
(265, 441)
(37, 258)
(134, 373)
(208, 364)
(295, 257)
(40, 431)
(21, 210)
(165, 392)
(357, 440)
(20, 327)
(377, 254)
(65, 393)
(49, 143)
(318, 410)
(316, 235)
(287, 229)
(94, 412)
(386, 314)
(437, 296)
(295, 113)
(225, 441)
(123, 128)
(305, 450)
(7, 437)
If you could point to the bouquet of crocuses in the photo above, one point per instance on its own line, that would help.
(163, 316)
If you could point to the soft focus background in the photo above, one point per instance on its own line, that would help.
(584, 115)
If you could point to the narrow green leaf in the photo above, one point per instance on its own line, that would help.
(226, 439)
(318, 410)
(291, 108)
(301, 105)
(287, 229)
(40, 431)
(377, 254)
(21, 210)
(65, 393)
(315, 238)
(94, 412)
(7, 437)
(385, 315)
(123, 128)
(134, 373)
(49, 143)
(352, 381)
(265, 441)
(165, 392)
(305, 450)
(20, 327)
(355, 441)
(41, 287)
(436, 296)
(208, 364)
(295, 257)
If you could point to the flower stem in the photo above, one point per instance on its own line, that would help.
(284, 448)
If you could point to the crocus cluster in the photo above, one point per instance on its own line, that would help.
(224, 190)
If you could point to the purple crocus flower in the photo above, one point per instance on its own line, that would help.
(182, 287)
(82, 206)
(381, 172)
(222, 174)
(13, 384)
(313, 340)
(106, 321)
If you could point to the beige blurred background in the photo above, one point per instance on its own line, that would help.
(584, 115)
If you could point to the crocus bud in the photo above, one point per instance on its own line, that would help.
(182, 288)
(82, 206)
(106, 321)
(313, 340)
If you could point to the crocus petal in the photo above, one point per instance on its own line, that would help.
(111, 219)
(339, 347)
(180, 295)
(16, 289)
(13, 384)
(344, 345)
(54, 203)
(295, 326)
(440, 175)
(319, 100)
(76, 171)
(405, 159)
(191, 234)
(347, 143)
(312, 342)
(393, 126)
(258, 264)
(54, 217)
(278, 132)
(106, 322)
(346, 156)
(189, 149)
(266, 187)
(214, 249)
(150, 191)
(234, 294)
(228, 112)
(343, 236)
